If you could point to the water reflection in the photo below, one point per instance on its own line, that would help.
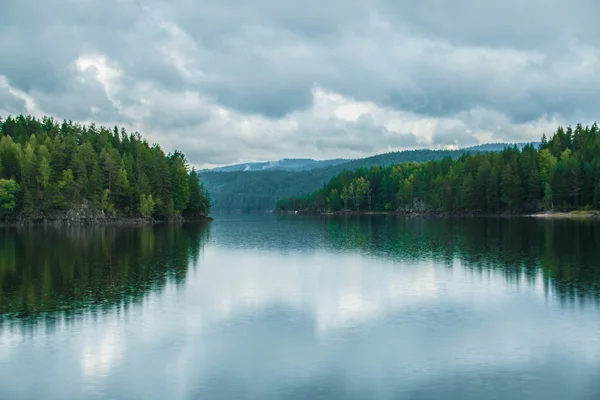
(565, 252)
(305, 308)
(61, 272)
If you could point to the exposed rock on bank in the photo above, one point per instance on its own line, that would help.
(85, 214)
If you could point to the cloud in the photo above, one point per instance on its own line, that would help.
(233, 81)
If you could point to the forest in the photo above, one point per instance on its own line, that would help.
(48, 168)
(561, 173)
(259, 191)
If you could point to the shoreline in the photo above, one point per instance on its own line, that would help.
(87, 215)
(577, 214)
(66, 222)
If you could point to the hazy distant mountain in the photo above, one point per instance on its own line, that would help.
(286, 164)
(258, 186)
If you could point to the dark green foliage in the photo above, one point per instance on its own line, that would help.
(562, 173)
(199, 200)
(59, 166)
(8, 196)
(180, 189)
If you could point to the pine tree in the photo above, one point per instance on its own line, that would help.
(195, 204)
(180, 183)
(468, 192)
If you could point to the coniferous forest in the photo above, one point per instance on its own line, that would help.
(48, 168)
(562, 173)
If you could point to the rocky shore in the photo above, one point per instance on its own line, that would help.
(86, 215)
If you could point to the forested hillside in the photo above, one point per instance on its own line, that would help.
(561, 173)
(248, 191)
(47, 168)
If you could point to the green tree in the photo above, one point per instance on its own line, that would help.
(468, 192)
(105, 203)
(10, 158)
(361, 189)
(29, 173)
(146, 205)
(9, 190)
(333, 200)
(122, 189)
(534, 189)
(511, 188)
(180, 183)
(43, 178)
(68, 188)
(596, 203)
(347, 194)
(196, 204)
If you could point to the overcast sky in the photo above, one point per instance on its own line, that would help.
(230, 81)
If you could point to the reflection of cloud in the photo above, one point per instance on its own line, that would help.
(8, 341)
(100, 353)
(338, 290)
(358, 303)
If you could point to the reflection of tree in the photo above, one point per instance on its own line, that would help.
(564, 252)
(44, 271)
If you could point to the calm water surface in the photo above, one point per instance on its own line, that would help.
(266, 307)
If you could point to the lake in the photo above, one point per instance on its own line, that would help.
(291, 307)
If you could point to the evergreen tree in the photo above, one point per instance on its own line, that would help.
(468, 192)
(180, 189)
(196, 204)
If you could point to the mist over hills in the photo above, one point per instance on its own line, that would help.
(256, 187)
(285, 164)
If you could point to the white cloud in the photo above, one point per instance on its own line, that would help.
(104, 71)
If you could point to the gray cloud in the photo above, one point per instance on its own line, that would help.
(231, 80)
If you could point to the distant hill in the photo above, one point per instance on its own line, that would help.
(252, 187)
(286, 164)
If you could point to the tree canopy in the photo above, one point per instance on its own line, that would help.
(47, 167)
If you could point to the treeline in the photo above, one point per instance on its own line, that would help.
(48, 168)
(561, 173)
